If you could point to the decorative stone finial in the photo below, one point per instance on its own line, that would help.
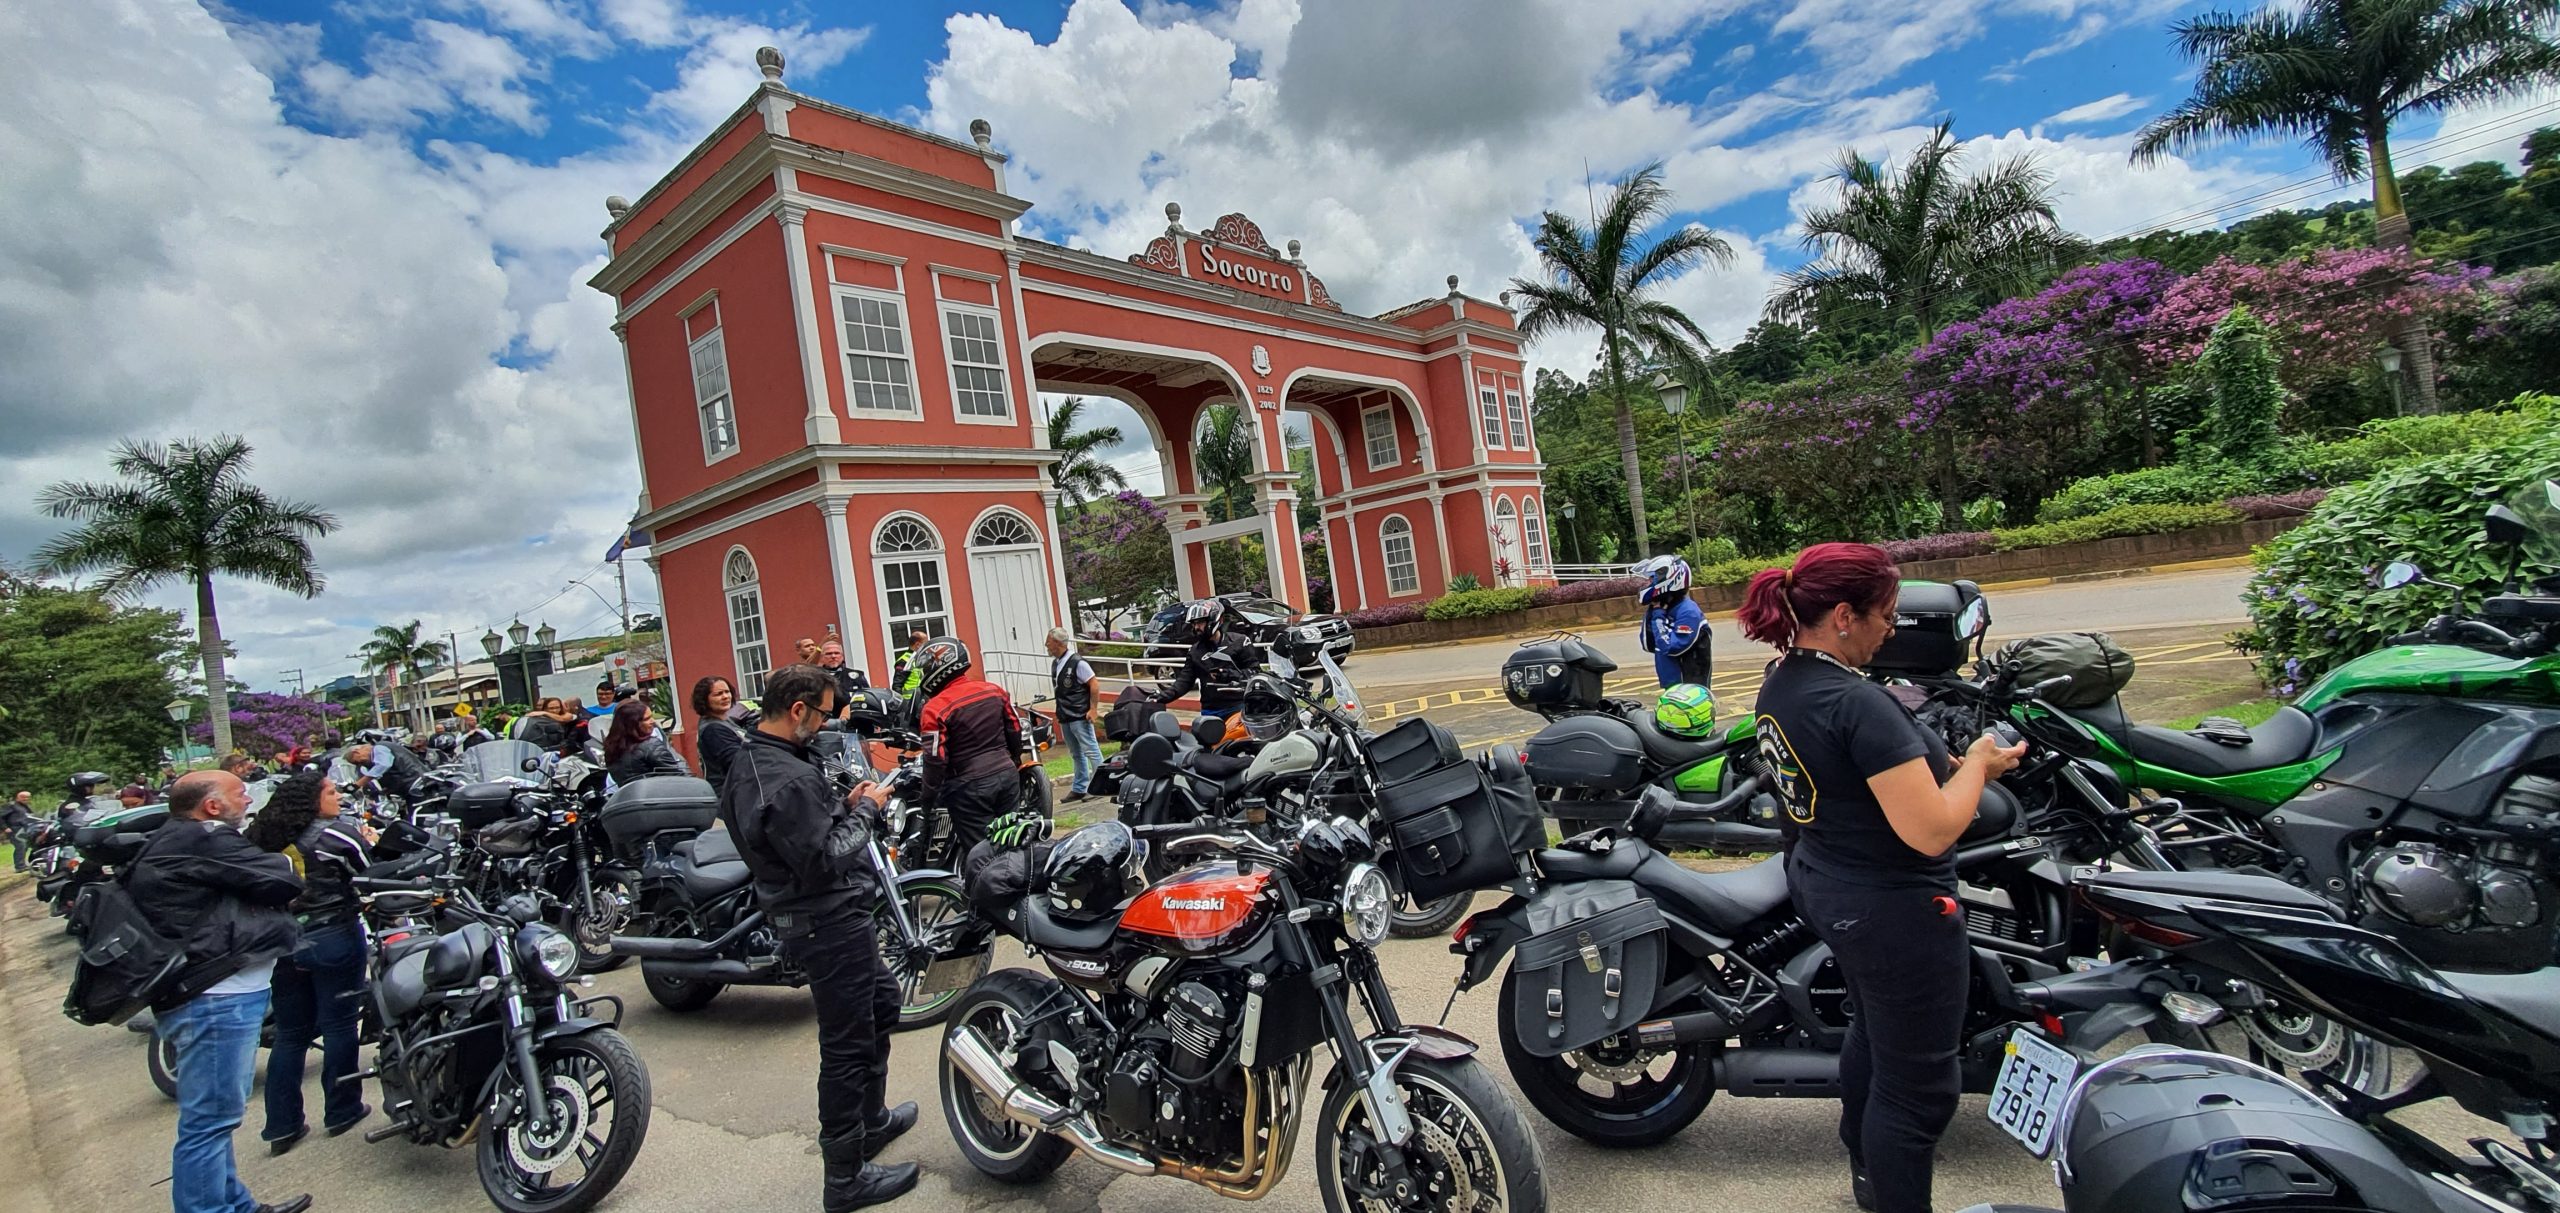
(769, 61)
(1505, 297)
(1173, 213)
(1453, 284)
(617, 206)
(1293, 250)
(982, 131)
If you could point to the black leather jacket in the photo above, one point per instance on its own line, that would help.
(1220, 691)
(332, 854)
(207, 885)
(807, 850)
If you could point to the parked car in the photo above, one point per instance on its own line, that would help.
(1263, 617)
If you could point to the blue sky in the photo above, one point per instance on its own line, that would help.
(358, 232)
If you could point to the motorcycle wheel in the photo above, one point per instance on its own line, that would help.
(1424, 919)
(997, 1146)
(606, 914)
(936, 907)
(2292, 1042)
(1470, 1149)
(1620, 1102)
(678, 994)
(598, 1095)
(162, 1057)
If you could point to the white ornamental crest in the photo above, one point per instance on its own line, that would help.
(1261, 361)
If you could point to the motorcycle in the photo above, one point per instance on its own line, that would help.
(2416, 788)
(2489, 1041)
(480, 1039)
(700, 928)
(532, 824)
(1639, 988)
(1171, 1033)
(51, 855)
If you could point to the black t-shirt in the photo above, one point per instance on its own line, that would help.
(1823, 732)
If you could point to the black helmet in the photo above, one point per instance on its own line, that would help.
(938, 664)
(1090, 872)
(85, 783)
(1268, 716)
(874, 710)
(1199, 622)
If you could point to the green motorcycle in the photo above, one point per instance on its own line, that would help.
(2418, 787)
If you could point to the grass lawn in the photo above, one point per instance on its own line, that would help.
(2251, 712)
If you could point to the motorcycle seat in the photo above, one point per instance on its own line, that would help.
(1040, 929)
(404, 981)
(2286, 738)
(1669, 752)
(712, 847)
(1617, 863)
(2531, 999)
(1720, 901)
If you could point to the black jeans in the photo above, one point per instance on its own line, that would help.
(319, 993)
(857, 1009)
(975, 805)
(1907, 969)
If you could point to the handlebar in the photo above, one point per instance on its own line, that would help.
(2453, 629)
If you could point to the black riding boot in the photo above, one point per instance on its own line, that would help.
(855, 1184)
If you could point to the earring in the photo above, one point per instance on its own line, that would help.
(1844, 635)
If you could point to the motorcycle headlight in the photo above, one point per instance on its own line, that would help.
(549, 950)
(1368, 904)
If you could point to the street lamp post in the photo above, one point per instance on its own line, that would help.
(2389, 357)
(179, 710)
(517, 634)
(1675, 400)
(1569, 529)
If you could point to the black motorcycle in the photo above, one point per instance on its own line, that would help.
(531, 822)
(699, 927)
(480, 1038)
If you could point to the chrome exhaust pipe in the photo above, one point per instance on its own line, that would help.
(978, 1063)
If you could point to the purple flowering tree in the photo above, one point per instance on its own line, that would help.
(263, 724)
(1119, 554)
(1831, 455)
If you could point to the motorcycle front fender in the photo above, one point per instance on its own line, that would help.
(576, 1025)
(1387, 1054)
(922, 875)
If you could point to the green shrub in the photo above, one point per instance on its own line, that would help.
(1712, 549)
(1465, 582)
(1107, 649)
(2240, 366)
(2311, 604)
(2122, 520)
(2175, 484)
(1472, 604)
(1738, 570)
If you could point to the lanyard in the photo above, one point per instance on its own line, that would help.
(1822, 656)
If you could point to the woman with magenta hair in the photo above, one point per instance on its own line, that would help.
(1874, 806)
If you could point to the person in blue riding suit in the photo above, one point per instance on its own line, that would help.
(1675, 629)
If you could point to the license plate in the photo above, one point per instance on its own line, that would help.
(2034, 1081)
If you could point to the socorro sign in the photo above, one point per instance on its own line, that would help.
(1270, 280)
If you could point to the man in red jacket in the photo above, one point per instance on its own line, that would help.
(974, 743)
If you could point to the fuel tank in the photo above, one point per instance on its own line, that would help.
(1202, 911)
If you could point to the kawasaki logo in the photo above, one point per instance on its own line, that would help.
(1195, 903)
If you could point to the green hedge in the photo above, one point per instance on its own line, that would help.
(1471, 604)
(1738, 570)
(2122, 520)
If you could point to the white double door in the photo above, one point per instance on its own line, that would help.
(1010, 589)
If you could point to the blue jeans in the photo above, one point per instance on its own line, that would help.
(319, 992)
(1085, 748)
(216, 1037)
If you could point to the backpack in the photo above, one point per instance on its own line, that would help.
(125, 963)
(2098, 666)
(1129, 713)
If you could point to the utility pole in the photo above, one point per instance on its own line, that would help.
(453, 649)
(296, 675)
(622, 590)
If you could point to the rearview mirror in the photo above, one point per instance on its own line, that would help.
(2505, 527)
(1220, 662)
(1974, 619)
(2398, 573)
(1151, 756)
(532, 766)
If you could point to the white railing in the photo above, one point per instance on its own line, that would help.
(1587, 572)
(1027, 677)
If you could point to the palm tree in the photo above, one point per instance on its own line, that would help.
(1224, 459)
(398, 647)
(1604, 278)
(188, 511)
(2336, 73)
(1080, 473)
(1916, 243)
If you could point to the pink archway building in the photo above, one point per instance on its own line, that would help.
(834, 339)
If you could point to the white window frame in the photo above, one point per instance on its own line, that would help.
(725, 402)
(1489, 413)
(951, 363)
(894, 626)
(1533, 531)
(1515, 410)
(1369, 438)
(846, 294)
(749, 681)
(1392, 527)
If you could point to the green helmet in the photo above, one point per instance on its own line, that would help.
(1686, 710)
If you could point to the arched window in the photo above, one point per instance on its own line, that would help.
(1395, 540)
(746, 622)
(1534, 520)
(910, 564)
(1004, 529)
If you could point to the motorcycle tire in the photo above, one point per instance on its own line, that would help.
(1470, 1140)
(933, 905)
(1000, 1148)
(582, 1073)
(679, 994)
(1425, 919)
(1644, 1112)
(162, 1058)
